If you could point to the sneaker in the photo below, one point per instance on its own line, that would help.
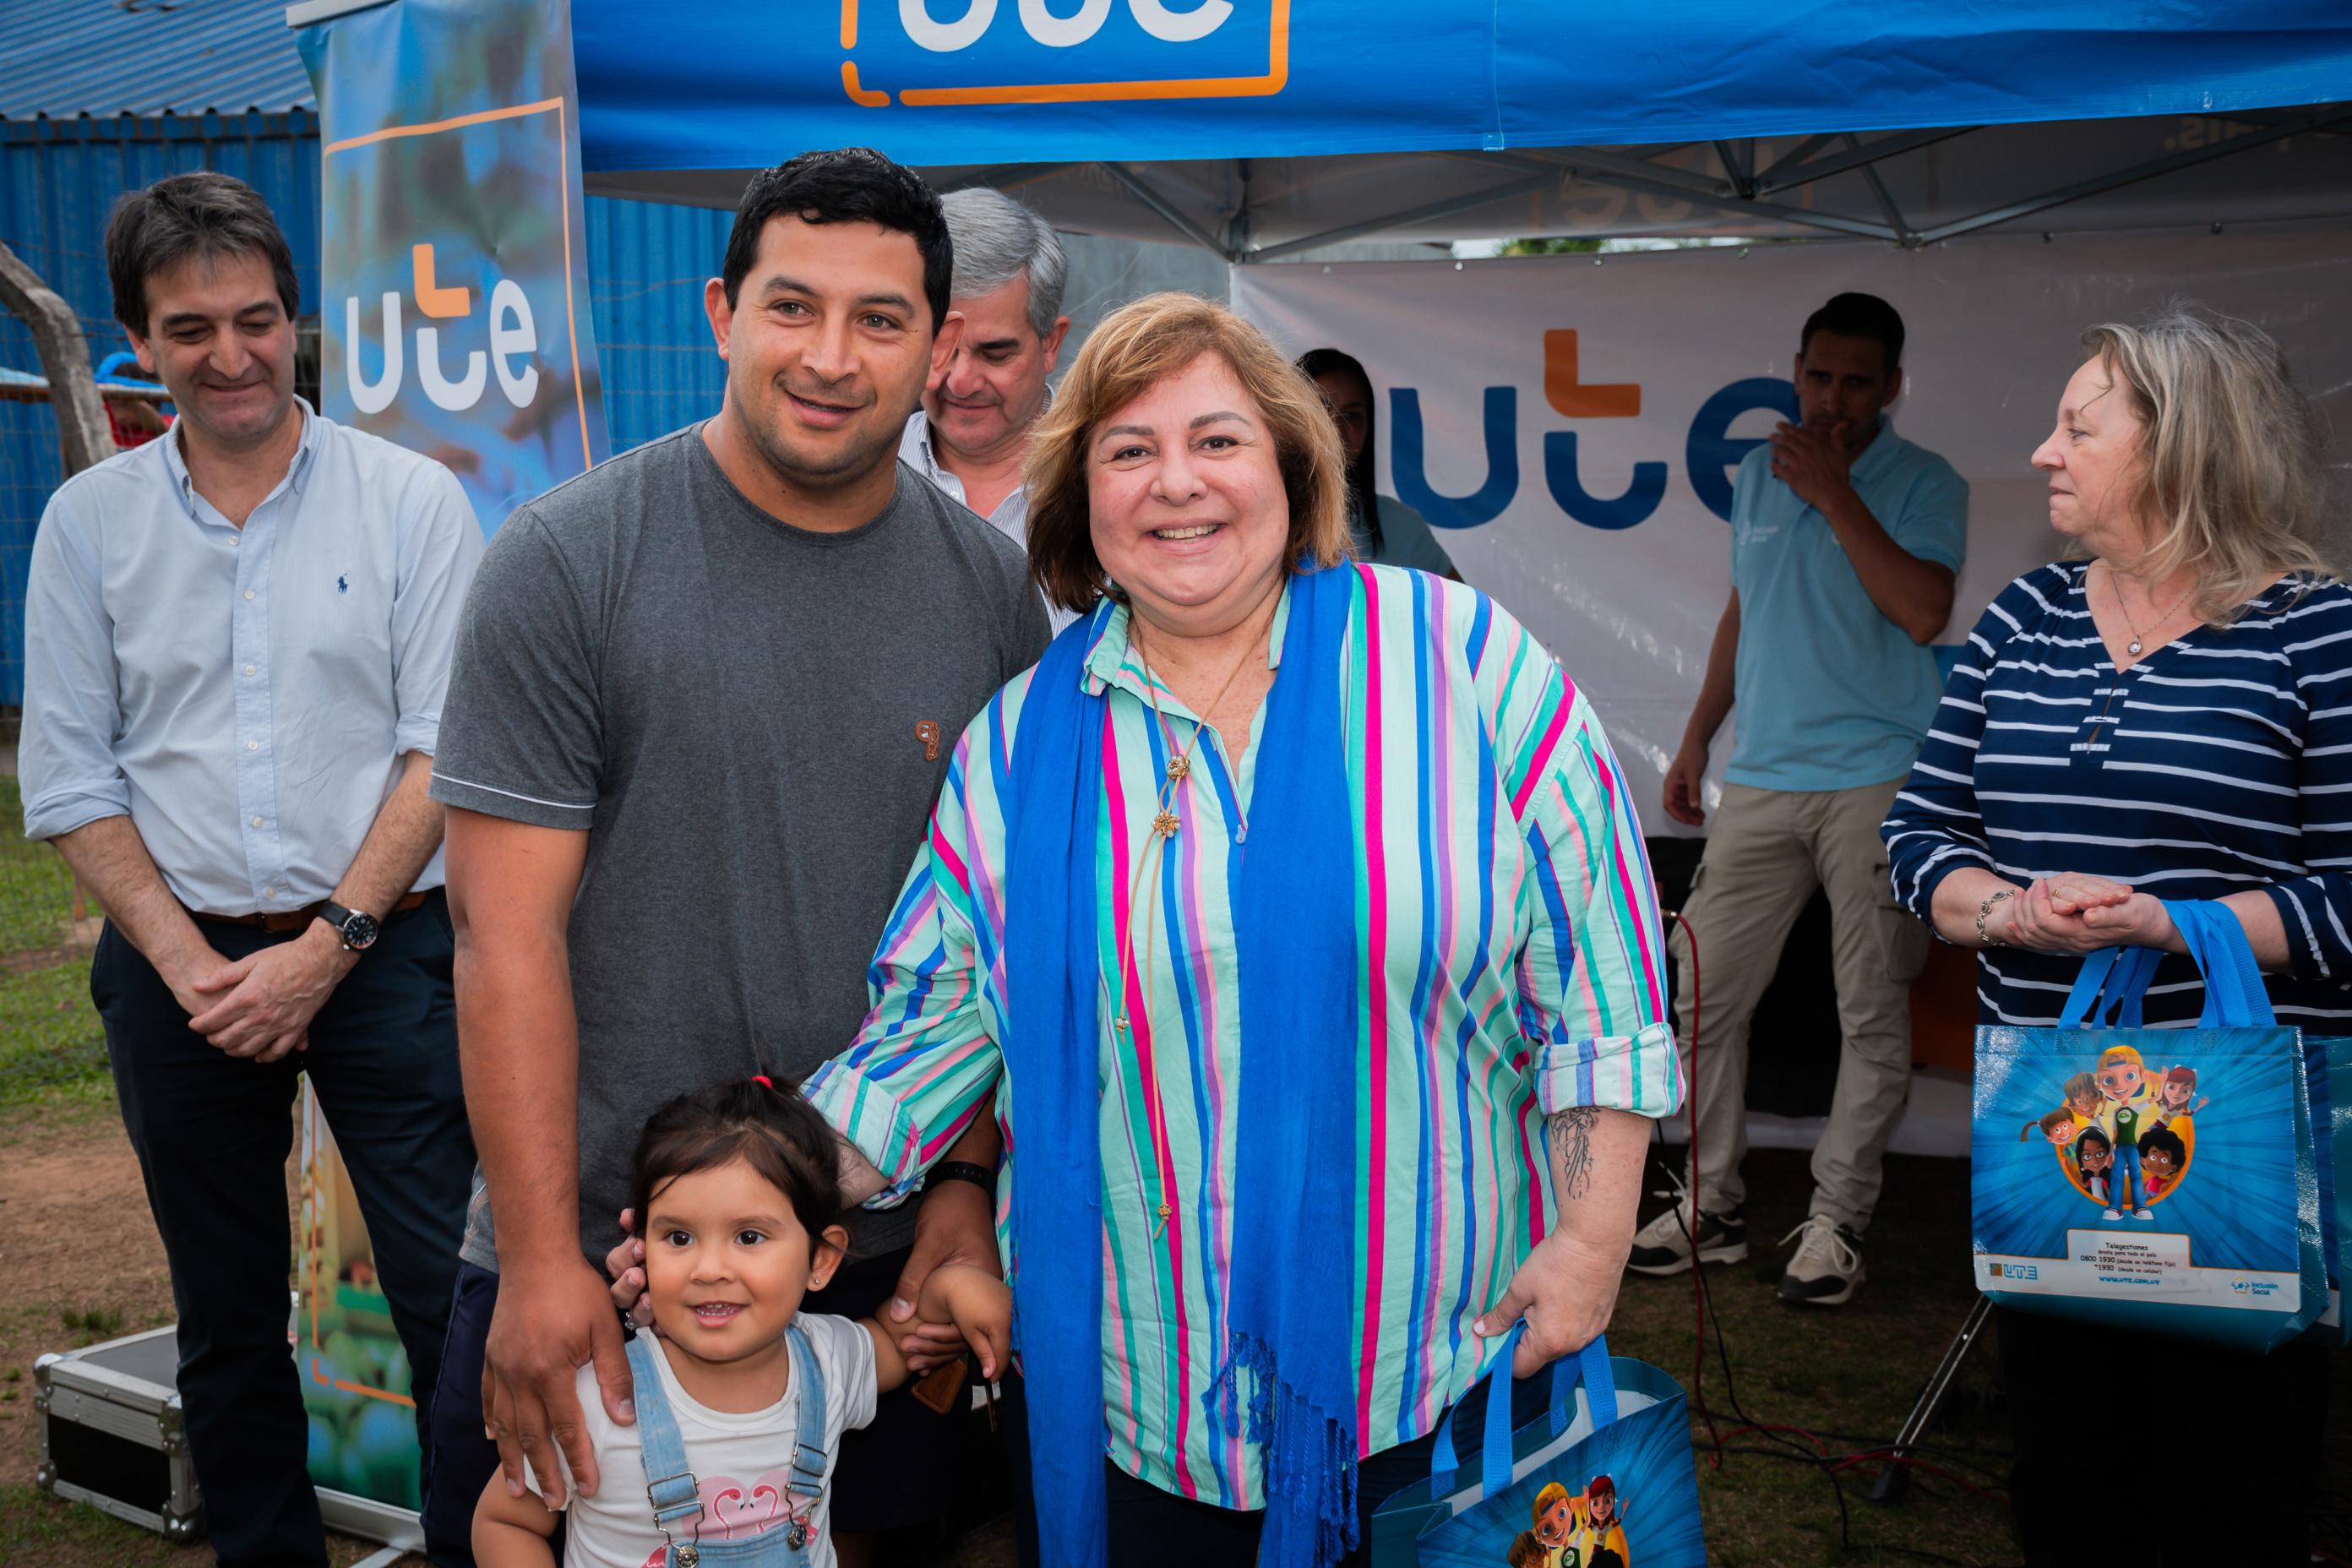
(1827, 1267)
(1665, 1245)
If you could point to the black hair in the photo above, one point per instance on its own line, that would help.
(845, 184)
(1858, 316)
(1603, 1558)
(202, 214)
(2090, 1132)
(774, 1130)
(1332, 361)
(2166, 1138)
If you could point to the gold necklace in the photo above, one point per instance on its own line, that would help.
(1165, 825)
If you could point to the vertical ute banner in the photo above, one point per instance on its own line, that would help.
(455, 311)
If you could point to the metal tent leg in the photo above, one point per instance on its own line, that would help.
(1894, 1477)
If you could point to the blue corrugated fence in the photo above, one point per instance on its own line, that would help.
(59, 179)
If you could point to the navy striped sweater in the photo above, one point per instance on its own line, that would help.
(2221, 763)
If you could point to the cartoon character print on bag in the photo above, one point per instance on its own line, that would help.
(2123, 1137)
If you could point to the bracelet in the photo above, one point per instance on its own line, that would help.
(1985, 938)
(980, 1176)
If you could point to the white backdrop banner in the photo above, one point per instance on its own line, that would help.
(1573, 428)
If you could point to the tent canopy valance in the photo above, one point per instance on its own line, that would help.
(1260, 127)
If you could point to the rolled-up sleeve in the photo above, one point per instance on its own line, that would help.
(439, 549)
(1591, 974)
(926, 1057)
(66, 762)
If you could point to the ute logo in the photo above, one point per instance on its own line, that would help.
(512, 339)
(930, 53)
(1711, 453)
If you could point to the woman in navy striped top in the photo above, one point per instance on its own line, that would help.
(2170, 718)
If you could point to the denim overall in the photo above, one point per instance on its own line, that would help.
(676, 1495)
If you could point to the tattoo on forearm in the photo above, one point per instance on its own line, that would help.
(1571, 1151)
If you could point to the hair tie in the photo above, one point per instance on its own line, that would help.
(762, 1079)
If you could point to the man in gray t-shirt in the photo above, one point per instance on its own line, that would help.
(703, 700)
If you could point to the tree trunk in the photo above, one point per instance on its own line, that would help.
(82, 427)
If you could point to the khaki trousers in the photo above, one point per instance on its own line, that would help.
(1766, 853)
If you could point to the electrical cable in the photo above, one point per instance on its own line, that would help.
(1821, 1459)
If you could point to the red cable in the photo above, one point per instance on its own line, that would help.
(1699, 1296)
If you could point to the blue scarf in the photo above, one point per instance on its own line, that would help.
(1288, 1387)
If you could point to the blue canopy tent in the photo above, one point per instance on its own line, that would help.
(1260, 128)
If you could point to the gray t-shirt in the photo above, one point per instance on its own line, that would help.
(750, 721)
(1405, 538)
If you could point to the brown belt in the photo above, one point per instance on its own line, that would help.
(295, 920)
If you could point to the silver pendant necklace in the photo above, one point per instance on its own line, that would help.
(2133, 647)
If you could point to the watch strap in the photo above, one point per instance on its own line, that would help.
(980, 1176)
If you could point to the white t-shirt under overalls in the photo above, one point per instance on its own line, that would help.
(741, 1460)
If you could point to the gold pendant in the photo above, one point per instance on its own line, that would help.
(1178, 767)
(1165, 825)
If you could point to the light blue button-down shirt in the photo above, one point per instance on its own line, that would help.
(243, 695)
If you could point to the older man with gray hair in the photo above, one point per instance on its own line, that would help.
(972, 433)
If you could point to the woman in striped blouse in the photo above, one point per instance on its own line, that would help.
(2166, 716)
(1296, 915)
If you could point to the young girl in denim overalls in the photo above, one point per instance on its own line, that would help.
(740, 1397)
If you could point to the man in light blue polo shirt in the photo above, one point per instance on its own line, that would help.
(1845, 539)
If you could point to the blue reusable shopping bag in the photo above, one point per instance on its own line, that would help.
(2165, 1180)
(1606, 1472)
(2328, 1066)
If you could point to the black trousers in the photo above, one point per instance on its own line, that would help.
(213, 1134)
(1149, 1528)
(2184, 1431)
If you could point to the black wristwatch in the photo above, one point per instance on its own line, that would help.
(980, 1176)
(358, 929)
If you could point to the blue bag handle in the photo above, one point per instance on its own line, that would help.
(2234, 994)
(1589, 1365)
(2108, 989)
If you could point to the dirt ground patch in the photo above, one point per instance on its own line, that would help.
(76, 1242)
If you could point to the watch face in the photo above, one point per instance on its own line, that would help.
(359, 931)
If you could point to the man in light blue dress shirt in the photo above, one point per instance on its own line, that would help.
(236, 642)
(1845, 544)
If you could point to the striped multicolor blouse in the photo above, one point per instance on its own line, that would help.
(2218, 764)
(1511, 954)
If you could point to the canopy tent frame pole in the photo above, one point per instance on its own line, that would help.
(1135, 187)
(999, 177)
(1794, 158)
(1684, 181)
(1575, 163)
(2100, 185)
(1886, 200)
(1860, 154)
(1541, 179)
(1736, 169)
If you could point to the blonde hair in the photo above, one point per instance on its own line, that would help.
(1136, 347)
(2233, 475)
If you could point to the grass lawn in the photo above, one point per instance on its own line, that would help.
(36, 888)
(52, 1046)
